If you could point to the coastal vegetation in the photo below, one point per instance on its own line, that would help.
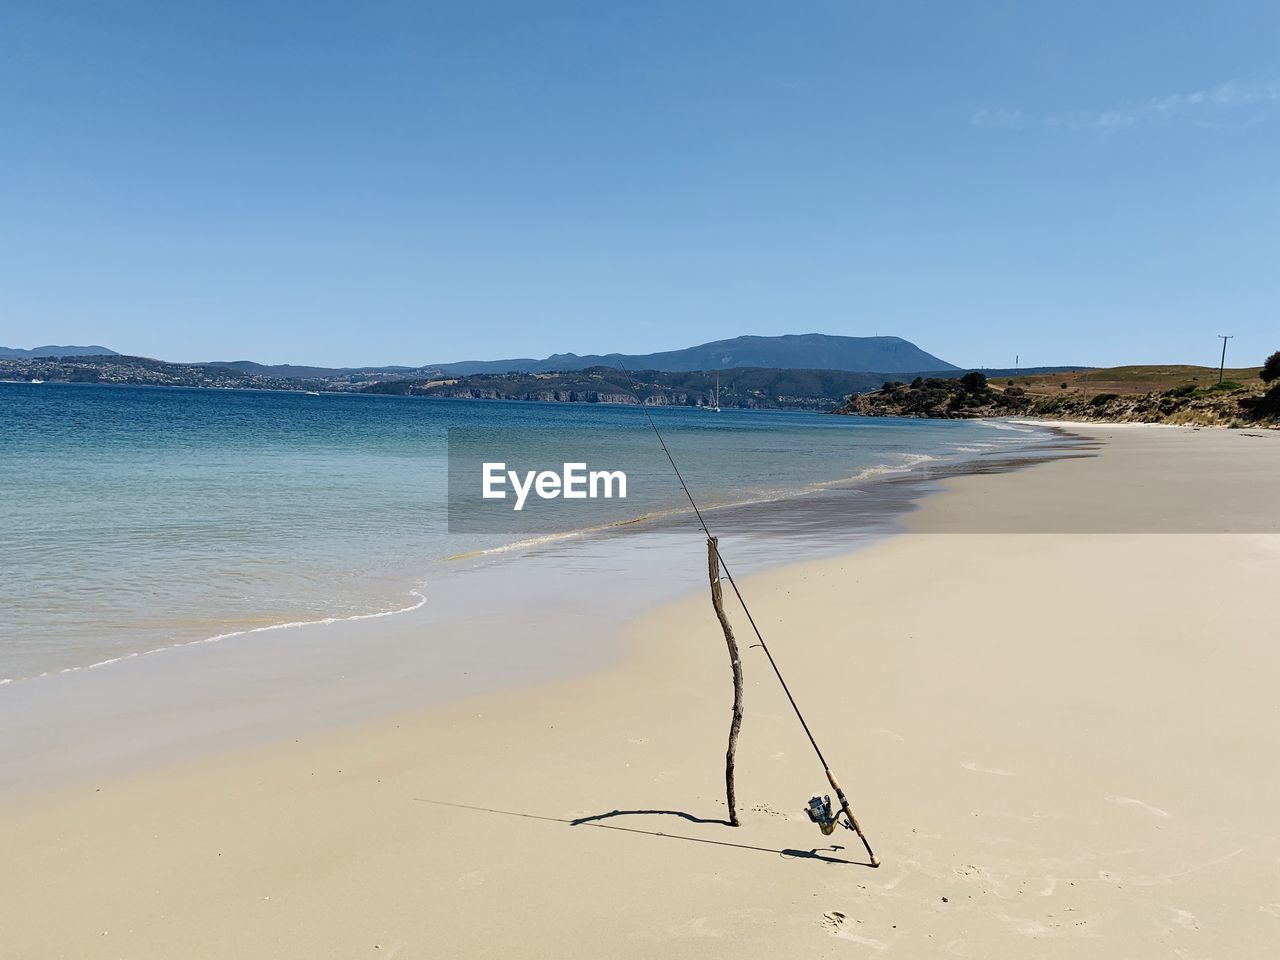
(1270, 371)
(1155, 394)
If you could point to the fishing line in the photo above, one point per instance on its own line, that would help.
(844, 803)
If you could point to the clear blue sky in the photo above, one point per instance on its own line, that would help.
(403, 182)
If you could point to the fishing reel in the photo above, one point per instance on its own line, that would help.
(819, 811)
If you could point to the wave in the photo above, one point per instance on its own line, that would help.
(912, 460)
(323, 621)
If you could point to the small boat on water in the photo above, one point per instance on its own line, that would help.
(715, 397)
(313, 393)
(37, 381)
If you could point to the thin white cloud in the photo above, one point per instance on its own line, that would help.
(1199, 106)
(998, 117)
(1233, 93)
(1091, 120)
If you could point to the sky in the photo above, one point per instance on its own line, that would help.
(412, 182)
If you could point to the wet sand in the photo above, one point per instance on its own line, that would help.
(1059, 742)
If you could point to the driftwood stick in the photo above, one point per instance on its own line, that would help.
(717, 601)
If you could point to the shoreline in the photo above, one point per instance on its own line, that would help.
(1031, 780)
(146, 608)
(279, 681)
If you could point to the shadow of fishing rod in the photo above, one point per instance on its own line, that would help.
(582, 821)
(592, 822)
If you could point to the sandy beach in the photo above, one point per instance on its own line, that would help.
(1052, 701)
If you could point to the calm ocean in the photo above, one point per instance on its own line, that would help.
(133, 519)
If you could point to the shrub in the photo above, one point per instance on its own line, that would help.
(1062, 385)
(1183, 391)
(1268, 405)
(1101, 398)
(1271, 369)
(974, 382)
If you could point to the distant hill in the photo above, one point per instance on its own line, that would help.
(1126, 380)
(16, 353)
(117, 368)
(745, 387)
(808, 351)
(290, 371)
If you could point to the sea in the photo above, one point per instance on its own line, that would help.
(137, 520)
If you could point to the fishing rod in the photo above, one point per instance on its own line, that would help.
(819, 809)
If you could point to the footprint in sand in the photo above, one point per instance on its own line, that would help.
(1154, 811)
(976, 874)
(696, 927)
(1027, 926)
(994, 772)
(839, 926)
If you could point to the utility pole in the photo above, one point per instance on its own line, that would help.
(1223, 366)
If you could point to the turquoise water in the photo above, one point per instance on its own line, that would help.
(133, 519)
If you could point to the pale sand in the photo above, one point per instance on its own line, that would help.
(1061, 745)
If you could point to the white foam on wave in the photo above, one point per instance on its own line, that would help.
(911, 460)
(323, 621)
(1015, 426)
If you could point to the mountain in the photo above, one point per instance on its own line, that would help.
(807, 351)
(16, 353)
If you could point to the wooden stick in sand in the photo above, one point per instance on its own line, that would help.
(717, 601)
